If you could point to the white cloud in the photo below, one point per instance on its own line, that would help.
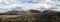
(41, 5)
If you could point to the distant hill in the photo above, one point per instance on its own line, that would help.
(34, 11)
(14, 12)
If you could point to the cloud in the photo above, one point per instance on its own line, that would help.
(41, 5)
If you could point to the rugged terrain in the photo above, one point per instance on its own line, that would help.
(31, 16)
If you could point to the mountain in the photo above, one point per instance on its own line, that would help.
(14, 12)
(34, 11)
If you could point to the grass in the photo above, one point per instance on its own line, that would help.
(32, 17)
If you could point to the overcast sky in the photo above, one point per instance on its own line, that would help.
(24, 5)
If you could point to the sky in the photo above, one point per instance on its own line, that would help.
(24, 5)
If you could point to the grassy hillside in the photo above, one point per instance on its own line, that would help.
(47, 16)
